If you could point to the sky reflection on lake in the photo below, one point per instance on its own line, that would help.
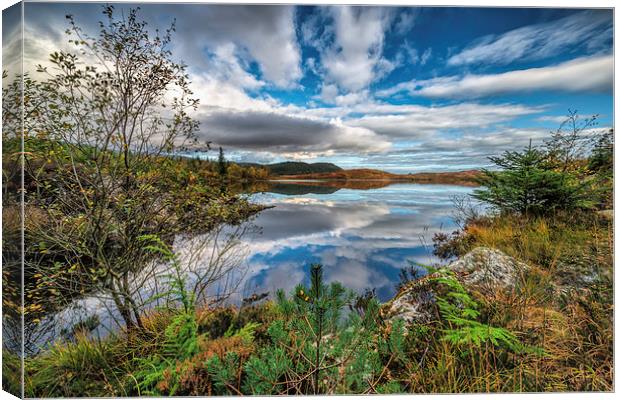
(362, 237)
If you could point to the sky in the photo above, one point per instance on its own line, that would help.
(403, 89)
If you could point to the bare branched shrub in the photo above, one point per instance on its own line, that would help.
(465, 210)
(571, 140)
(103, 122)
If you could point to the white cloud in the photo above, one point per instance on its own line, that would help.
(418, 122)
(262, 34)
(351, 98)
(316, 33)
(330, 95)
(410, 54)
(225, 66)
(267, 33)
(593, 27)
(426, 56)
(311, 65)
(329, 92)
(558, 119)
(385, 66)
(231, 118)
(587, 74)
(406, 21)
(353, 60)
(413, 57)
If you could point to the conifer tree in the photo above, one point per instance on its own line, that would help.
(527, 183)
(222, 164)
(602, 158)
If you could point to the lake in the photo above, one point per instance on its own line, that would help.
(362, 237)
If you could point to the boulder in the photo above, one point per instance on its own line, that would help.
(482, 269)
(488, 270)
(413, 303)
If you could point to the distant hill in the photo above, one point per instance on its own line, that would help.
(296, 168)
(345, 174)
(299, 171)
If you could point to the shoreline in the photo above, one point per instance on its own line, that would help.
(462, 178)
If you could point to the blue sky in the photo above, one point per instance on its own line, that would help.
(401, 89)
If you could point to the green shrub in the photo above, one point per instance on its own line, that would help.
(316, 348)
(528, 184)
(460, 312)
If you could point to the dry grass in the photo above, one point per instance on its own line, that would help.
(563, 305)
(561, 309)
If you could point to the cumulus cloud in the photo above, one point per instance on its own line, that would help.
(593, 28)
(355, 57)
(226, 65)
(585, 74)
(330, 95)
(221, 94)
(329, 92)
(266, 33)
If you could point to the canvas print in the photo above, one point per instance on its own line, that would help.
(210, 199)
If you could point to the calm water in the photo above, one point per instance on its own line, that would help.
(362, 237)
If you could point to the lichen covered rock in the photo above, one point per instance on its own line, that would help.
(483, 270)
(413, 303)
(488, 270)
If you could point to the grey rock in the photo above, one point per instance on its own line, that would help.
(482, 269)
(413, 303)
(488, 270)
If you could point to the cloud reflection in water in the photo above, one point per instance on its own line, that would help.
(362, 237)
